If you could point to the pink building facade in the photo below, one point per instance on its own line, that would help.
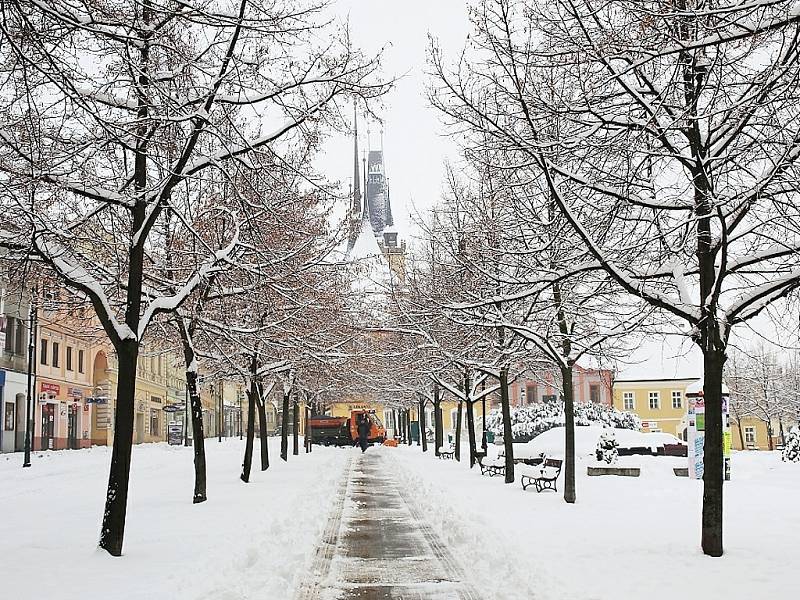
(590, 385)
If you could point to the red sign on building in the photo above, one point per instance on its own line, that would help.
(53, 388)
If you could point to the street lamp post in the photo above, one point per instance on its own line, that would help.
(29, 415)
(221, 411)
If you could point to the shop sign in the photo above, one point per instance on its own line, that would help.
(75, 393)
(172, 408)
(2, 377)
(53, 388)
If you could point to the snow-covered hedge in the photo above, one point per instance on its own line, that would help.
(791, 450)
(529, 421)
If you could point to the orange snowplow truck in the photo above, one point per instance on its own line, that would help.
(343, 431)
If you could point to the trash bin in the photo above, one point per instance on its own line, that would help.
(489, 437)
(414, 431)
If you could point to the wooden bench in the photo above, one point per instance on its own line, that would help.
(543, 477)
(492, 466)
(446, 453)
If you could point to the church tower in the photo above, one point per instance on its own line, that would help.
(371, 208)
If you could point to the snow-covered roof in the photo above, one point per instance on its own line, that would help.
(696, 388)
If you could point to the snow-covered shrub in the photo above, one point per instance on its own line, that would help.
(529, 421)
(607, 447)
(791, 449)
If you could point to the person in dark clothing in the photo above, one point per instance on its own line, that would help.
(363, 431)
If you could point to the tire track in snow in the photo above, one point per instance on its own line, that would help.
(319, 570)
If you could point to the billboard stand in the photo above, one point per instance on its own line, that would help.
(696, 428)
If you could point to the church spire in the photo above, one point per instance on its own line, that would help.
(356, 175)
(355, 208)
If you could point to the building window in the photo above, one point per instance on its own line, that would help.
(522, 396)
(155, 399)
(154, 429)
(80, 361)
(19, 331)
(9, 417)
(594, 393)
(627, 401)
(10, 327)
(56, 354)
(677, 399)
(749, 435)
(43, 352)
(69, 358)
(531, 393)
(654, 399)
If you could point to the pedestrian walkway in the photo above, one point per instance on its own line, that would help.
(378, 546)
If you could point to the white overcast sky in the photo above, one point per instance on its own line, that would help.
(414, 147)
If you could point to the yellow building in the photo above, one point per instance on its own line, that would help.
(752, 434)
(659, 403)
(158, 384)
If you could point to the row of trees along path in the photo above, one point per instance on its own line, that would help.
(130, 164)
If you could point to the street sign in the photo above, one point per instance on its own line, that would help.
(172, 408)
(175, 433)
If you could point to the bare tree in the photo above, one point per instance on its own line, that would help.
(116, 112)
(681, 138)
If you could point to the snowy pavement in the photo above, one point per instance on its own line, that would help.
(379, 546)
(626, 538)
(393, 523)
(248, 541)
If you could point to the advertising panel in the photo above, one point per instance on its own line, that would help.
(696, 434)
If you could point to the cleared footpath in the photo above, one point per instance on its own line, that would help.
(377, 546)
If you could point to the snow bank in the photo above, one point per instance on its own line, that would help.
(551, 442)
(247, 541)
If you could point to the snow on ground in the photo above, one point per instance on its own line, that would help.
(625, 538)
(247, 541)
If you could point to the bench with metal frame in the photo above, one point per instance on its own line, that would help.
(544, 477)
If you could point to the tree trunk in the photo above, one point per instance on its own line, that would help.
(262, 428)
(198, 438)
(112, 531)
(285, 427)
(438, 429)
(741, 434)
(458, 430)
(508, 440)
(470, 420)
(408, 426)
(713, 466)
(569, 434)
(770, 445)
(307, 430)
(484, 443)
(113, 528)
(422, 426)
(473, 446)
(252, 395)
(295, 430)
